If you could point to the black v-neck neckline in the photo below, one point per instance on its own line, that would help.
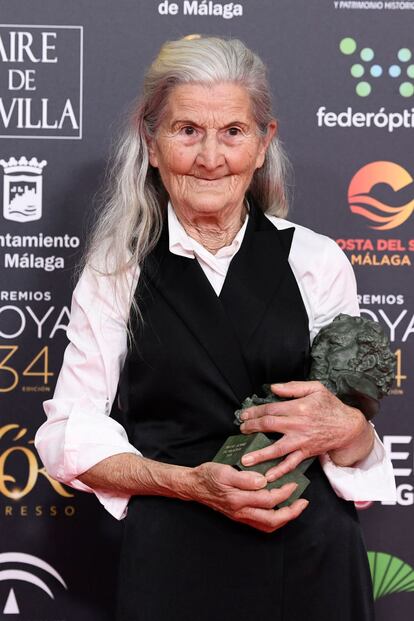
(221, 323)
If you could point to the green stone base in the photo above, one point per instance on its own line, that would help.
(235, 447)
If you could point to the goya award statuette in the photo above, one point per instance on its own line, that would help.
(352, 358)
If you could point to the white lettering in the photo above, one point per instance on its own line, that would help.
(61, 326)
(389, 441)
(21, 107)
(20, 44)
(381, 119)
(39, 322)
(22, 318)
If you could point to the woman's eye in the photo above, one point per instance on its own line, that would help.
(234, 131)
(189, 130)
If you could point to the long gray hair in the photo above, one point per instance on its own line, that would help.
(133, 203)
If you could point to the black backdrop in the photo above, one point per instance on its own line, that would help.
(342, 73)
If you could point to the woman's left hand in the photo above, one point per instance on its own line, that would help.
(313, 422)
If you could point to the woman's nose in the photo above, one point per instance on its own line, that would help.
(211, 154)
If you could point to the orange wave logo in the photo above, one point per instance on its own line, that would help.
(363, 202)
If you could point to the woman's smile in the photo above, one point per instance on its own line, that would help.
(207, 181)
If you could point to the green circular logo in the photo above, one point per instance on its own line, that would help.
(406, 89)
(367, 54)
(363, 89)
(410, 71)
(357, 71)
(347, 45)
(404, 54)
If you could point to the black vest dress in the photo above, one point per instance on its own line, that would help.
(196, 357)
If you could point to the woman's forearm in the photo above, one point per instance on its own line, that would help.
(241, 496)
(135, 475)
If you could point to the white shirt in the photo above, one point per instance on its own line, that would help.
(79, 432)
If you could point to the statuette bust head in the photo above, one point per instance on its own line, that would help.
(352, 358)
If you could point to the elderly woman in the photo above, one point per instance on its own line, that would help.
(195, 293)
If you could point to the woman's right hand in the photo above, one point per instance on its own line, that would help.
(243, 496)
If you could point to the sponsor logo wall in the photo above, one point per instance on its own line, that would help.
(343, 79)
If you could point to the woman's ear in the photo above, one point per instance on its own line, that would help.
(152, 152)
(267, 138)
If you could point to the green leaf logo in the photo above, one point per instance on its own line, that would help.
(389, 574)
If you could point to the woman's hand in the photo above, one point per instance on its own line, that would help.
(239, 495)
(242, 496)
(313, 422)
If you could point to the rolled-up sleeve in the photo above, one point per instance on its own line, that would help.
(328, 288)
(79, 431)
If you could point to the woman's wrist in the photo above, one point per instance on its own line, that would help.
(359, 448)
(156, 478)
(136, 475)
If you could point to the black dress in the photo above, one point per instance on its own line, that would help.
(196, 357)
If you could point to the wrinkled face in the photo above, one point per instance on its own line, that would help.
(208, 147)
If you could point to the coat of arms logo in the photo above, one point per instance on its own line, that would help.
(22, 189)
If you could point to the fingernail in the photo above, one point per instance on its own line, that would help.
(258, 481)
(243, 416)
(242, 427)
(277, 385)
(304, 503)
(273, 476)
(247, 461)
(293, 486)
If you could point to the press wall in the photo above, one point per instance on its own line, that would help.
(342, 75)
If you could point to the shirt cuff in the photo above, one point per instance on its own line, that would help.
(115, 503)
(80, 456)
(371, 478)
(71, 442)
